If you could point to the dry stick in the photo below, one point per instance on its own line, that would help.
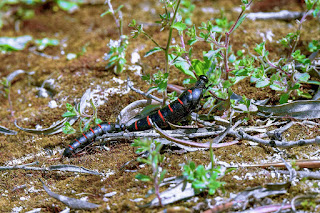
(294, 203)
(130, 84)
(292, 172)
(191, 143)
(278, 131)
(311, 164)
(171, 133)
(274, 143)
(68, 168)
(303, 174)
(73, 203)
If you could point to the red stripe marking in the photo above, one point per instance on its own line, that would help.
(189, 90)
(70, 146)
(170, 108)
(161, 116)
(180, 101)
(135, 124)
(84, 135)
(148, 121)
(78, 141)
(109, 123)
(100, 126)
(92, 130)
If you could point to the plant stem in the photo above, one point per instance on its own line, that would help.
(170, 37)
(118, 21)
(186, 55)
(149, 37)
(156, 187)
(227, 38)
(299, 32)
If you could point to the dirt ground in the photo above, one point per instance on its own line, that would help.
(72, 78)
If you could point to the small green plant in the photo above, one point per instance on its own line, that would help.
(45, 42)
(9, 44)
(17, 10)
(308, 205)
(154, 160)
(116, 56)
(202, 179)
(85, 120)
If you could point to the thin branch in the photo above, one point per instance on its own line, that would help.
(65, 168)
(130, 84)
(275, 143)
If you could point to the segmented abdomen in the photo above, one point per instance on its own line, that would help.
(173, 113)
(87, 137)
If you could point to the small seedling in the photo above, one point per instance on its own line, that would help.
(154, 160)
(202, 179)
(85, 120)
(116, 56)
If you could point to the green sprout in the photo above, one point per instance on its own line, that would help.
(116, 56)
(154, 160)
(202, 179)
(85, 120)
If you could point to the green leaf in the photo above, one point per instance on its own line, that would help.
(314, 82)
(212, 191)
(142, 177)
(302, 77)
(197, 184)
(262, 83)
(284, 98)
(182, 65)
(69, 114)
(45, 42)
(69, 107)
(67, 5)
(242, 18)
(232, 58)
(118, 9)
(162, 174)
(8, 44)
(192, 41)
(192, 165)
(105, 13)
(97, 121)
(154, 50)
(199, 66)
(226, 84)
(67, 129)
(180, 26)
(200, 172)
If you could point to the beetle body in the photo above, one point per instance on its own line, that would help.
(173, 113)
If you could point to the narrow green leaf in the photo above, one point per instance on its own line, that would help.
(240, 21)
(69, 114)
(154, 50)
(262, 83)
(67, 5)
(180, 26)
(142, 177)
(314, 82)
(284, 98)
(162, 174)
(105, 13)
